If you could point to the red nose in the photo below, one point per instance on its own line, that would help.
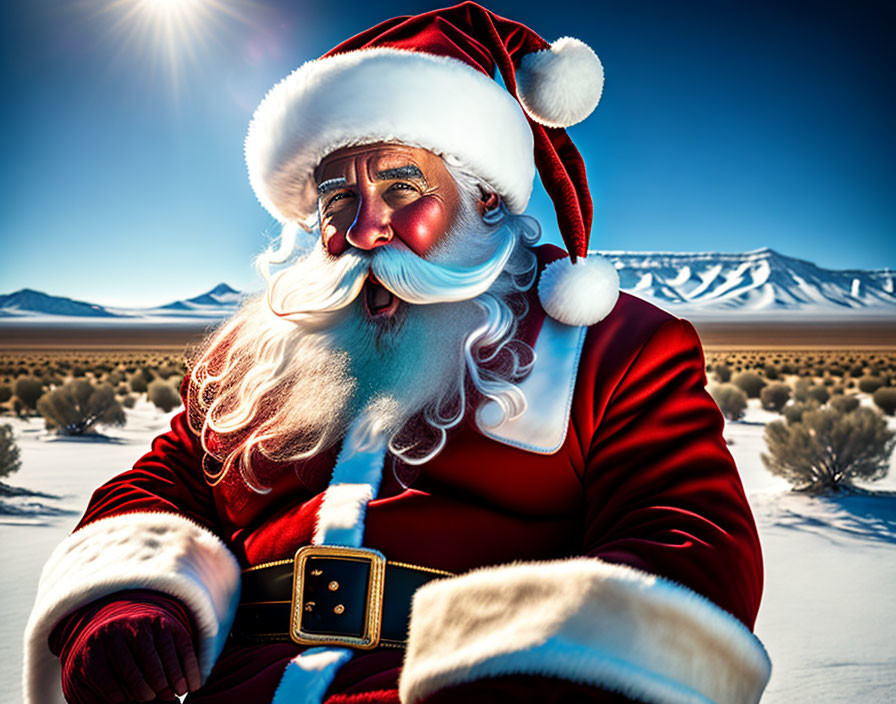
(372, 226)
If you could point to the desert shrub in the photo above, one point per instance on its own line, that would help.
(774, 396)
(845, 404)
(28, 389)
(801, 389)
(885, 399)
(78, 406)
(749, 382)
(18, 407)
(731, 400)
(5, 393)
(820, 394)
(793, 413)
(723, 373)
(163, 395)
(137, 382)
(52, 380)
(9, 452)
(827, 449)
(166, 370)
(770, 371)
(870, 384)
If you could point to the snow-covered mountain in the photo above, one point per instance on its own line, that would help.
(757, 284)
(762, 282)
(29, 305)
(219, 302)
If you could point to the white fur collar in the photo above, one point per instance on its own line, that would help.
(548, 391)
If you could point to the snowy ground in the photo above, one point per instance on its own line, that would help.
(830, 582)
(830, 590)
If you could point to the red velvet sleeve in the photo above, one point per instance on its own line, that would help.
(168, 478)
(663, 492)
(128, 604)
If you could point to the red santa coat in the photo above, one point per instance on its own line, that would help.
(619, 460)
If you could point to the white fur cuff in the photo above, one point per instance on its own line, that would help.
(151, 550)
(586, 621)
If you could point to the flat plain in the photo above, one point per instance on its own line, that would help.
(789, 334)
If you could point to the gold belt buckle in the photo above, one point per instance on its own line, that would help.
(370, 637)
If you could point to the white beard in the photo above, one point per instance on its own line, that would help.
(295, 367)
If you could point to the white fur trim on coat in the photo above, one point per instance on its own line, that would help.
(548, 389)
(340, 519)
(583, 620)
(583, 293)
(309, 674)
(385, 95)
(560, 86)
(150, 550)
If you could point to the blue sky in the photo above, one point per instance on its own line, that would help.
(723, 126)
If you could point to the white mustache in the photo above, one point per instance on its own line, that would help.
(319, 283)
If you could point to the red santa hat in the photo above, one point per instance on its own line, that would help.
(430, 81)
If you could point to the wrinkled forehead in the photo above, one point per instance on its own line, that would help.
(377, 158)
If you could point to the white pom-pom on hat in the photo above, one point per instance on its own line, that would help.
(560, 86)
(583, 293)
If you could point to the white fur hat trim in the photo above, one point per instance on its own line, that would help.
(385, 95)
(583, 293)
(560, 86)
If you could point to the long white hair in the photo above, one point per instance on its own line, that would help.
(286, 375)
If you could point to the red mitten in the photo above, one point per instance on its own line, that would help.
(131, 646)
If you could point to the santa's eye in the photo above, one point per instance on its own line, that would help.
(339, 195)
(402, 186)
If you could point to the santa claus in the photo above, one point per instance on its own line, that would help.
(432, 461)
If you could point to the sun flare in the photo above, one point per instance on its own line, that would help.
(170, 34)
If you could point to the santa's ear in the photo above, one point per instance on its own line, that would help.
(487, 202)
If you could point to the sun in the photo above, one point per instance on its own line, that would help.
(170, 34)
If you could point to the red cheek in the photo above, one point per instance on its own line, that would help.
(335, 241)
(421, 224)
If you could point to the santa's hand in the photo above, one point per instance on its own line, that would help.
(137, 647)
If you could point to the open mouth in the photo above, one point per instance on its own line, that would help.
(379, 301)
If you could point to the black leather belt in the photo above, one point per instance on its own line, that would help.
(330, 595)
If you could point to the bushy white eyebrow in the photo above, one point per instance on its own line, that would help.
(409, 171)
(331, 184)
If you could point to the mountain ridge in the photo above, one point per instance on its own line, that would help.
(761, 282)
